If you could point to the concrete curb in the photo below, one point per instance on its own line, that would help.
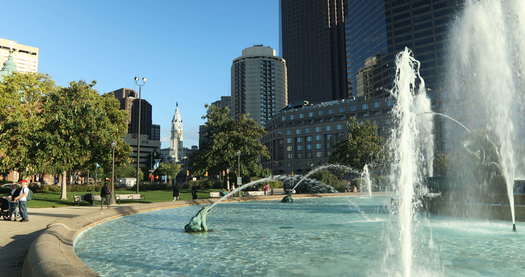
(52, 254)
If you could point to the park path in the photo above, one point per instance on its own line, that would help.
(16, 237)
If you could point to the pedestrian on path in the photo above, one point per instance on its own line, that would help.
(105, 194)
(22, 200)
(176, 192)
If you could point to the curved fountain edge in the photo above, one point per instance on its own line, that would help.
(52, 253)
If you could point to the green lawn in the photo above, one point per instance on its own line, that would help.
(52, 199)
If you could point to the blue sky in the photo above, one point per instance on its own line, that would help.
(185, 47)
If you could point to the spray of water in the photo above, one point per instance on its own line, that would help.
(486, 65)
(408, 145)
(365, 177)
(231, 193)
(324, 167)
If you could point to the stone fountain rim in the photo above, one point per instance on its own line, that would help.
(52, 253)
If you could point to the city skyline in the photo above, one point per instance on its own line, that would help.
(185, 49)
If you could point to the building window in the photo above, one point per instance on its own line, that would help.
(308, 147)
(317, 146)
(298, 131)
(328, 128)
(365, 106)
(319, 154)
(301, 115)
(376, 105)
(310, 114)
(318, 137)
(288, 132)
(299, 139)
(309, 138)
(306, 130)
(289, 148)
(289, 140)
(317, 129)
(300, 147)
(339, 126)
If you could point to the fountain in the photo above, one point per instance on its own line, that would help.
(407, 146)
(485, 83)
(365, 177)
(198, 222)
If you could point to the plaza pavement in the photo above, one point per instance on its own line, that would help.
(17, 237)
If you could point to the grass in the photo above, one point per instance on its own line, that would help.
(52, 199)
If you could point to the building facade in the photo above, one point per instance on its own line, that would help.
(149, 133)
(313, 45)
(379, 29)
(303, 137)
(177, 136)
(25, 57)
(224, 102)
(258, 84)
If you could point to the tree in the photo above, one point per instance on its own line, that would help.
(227, 136)
(21, 121)
(169, 169)
(79, 128)
(362, 145)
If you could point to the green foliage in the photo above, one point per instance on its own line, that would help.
(331, 179)
(128, 170)
(169, 169)
(362, 146)
(21, 121)
(80, 126)
(227, 136)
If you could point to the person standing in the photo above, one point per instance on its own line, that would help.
(22, 201)
(13, 206)
(104, 195)
(176, 192)
(266, 188)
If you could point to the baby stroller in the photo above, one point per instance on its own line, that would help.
(4, 209)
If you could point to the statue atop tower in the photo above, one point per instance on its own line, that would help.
(176, 147)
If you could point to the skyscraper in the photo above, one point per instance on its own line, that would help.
(376, 30)
(258, 86)
(149, 133)
(177, 136)
(25, 57)
(313, 45)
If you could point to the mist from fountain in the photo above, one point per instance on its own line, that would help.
(485, 76)
(409, 150)
(365, 177)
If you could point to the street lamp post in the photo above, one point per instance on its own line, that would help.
(140, 82)
(112, 199)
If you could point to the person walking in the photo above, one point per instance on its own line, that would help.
(22, 201)
(176, 192)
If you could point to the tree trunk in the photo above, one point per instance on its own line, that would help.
(63, 195)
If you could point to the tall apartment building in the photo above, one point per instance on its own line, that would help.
(149, 133)
(313, 45)
(379, 29)
(25, 57)
(258, 84)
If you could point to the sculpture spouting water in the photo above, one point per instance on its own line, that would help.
(198, 222)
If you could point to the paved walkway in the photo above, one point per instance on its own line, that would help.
(16, 237)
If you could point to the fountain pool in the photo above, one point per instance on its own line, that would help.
(313, 237)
